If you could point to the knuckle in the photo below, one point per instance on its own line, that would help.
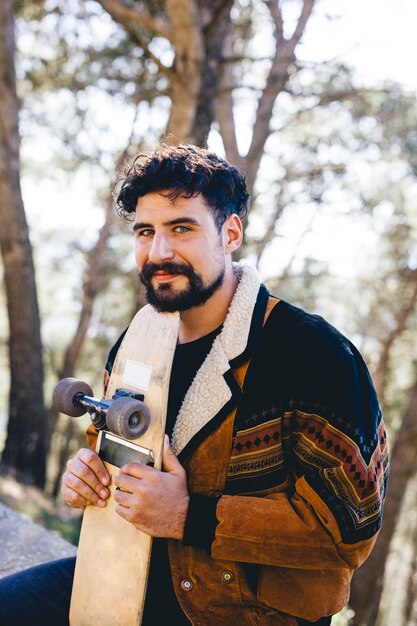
(70, 464)
(130, 469)
(153, 476)
(71, 481)
(83, 472)
(87, 456)
(72, 499)
(129, 515)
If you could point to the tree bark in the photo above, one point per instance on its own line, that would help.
(224, 105)
(186, 79)
(410, 610)
(24, 451)
(216, 27)
(367, 581)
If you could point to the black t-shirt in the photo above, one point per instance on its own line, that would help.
(188, 358)
(161, 602)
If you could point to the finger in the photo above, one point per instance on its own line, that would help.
(137, 470)
(77, 501)
(93, 461)
(124, 498)
(72, 498)
(88, 494)
(125, 482)
(88, 467)
(125, 513)
(170, 462)
(84, 480)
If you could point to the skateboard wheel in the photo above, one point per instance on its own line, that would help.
(64, 394)
(128, 418)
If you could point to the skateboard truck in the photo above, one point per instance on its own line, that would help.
(125, 414)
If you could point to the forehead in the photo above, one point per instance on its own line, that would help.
(157, 205)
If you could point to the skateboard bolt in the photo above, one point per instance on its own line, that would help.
(227, 576)
(186, 584)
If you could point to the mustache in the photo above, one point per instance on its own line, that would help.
(149, 269)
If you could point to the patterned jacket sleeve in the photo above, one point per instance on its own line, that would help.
(339, 457)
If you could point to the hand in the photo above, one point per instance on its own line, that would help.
(155, 502)
(85, 481)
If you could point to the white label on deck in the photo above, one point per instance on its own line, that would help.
(137, 374)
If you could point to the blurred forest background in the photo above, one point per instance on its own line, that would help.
(330, 158)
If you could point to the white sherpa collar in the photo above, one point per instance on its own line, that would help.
(209, 391)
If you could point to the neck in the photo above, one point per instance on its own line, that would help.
(200, 321)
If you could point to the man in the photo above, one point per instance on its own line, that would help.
(271, 494)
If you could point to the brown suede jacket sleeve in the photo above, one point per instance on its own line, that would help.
(244, 529)
(306, 537)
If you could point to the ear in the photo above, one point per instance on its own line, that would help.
(232, 232)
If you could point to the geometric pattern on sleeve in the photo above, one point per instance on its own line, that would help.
(271, 454)
(331, 455)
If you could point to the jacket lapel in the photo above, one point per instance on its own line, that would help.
(211, 390)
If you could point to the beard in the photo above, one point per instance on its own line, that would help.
(166, 299)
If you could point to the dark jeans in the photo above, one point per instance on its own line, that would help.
(39, 596)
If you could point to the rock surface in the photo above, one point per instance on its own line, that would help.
(24, 543)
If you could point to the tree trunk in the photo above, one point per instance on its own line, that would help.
(24, 452)
(218, 23)
(367, 581)
(186, 78)
(410, 609)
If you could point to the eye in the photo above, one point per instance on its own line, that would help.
(182, 229)
(145, 232)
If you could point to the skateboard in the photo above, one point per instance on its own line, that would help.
(113, 556)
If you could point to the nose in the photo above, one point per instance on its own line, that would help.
(160, 249)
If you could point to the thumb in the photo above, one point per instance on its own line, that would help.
(170, 462)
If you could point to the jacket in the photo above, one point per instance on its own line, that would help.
(284, 446)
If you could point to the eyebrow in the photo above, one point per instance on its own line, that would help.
(174, 222)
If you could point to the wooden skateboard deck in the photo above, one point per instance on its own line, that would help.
(113, 557)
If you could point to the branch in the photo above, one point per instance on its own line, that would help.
(127, 16)
(275, 12)
(94, 269)
(286, 271)
(186, 36)
(132, 20)
(224, 108)
(403, 315)
(276, 81)
(270, 233)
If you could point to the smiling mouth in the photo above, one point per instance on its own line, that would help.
(165, 277)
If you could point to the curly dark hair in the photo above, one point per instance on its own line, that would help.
(187, 171)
